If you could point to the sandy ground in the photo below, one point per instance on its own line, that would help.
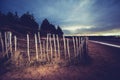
(104, 65)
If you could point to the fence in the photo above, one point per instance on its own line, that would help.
(50, 49)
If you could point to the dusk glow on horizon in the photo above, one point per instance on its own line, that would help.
(99, 17)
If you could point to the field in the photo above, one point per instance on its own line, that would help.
(104, 64)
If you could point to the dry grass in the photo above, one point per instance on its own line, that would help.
(104, 66)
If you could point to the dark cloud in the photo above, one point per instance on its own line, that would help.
(103, 15)
(106, 14)
(67, 31)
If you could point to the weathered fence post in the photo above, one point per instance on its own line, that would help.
(58, 46)
(68, 49)
(6, 45)
(64, 42)
(28, 51)
(47, 48)
(77, 52)
(36, 47)
(55, 54)
(74, 46)
(2, 43)
(40, 45)
(80, 50)
(51, 49)
(10, 41)
(15, 40)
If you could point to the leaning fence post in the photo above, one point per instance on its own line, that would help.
(74, 46)
(6, 42)
(47, 48)
(40, 45)
(68, 49)
(2, 43)
(58, 46)
(10, 41)
(54, 46)
(51, 46)
(77, 52)
(64, 46)
(80, 47)
(36, 47)
(28, 51)
(15, 39)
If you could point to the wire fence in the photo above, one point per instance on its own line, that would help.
(49, 49)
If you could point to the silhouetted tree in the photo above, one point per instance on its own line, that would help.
(59, 31)
(10, 18)
(46, 28)
(52, 29)
(28, 20)
(2, 19)
(16, 18)
(26, 24)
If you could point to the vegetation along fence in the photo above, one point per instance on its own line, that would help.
(50, 49)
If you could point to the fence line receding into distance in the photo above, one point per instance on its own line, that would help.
(43, 49)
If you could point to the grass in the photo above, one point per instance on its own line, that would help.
(104, 65)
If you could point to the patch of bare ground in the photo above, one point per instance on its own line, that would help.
(104, 65)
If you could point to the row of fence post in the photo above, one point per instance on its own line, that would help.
(47, 48)
(6, 43)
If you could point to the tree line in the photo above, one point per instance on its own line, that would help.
(26, 24)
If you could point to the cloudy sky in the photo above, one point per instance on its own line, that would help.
(73, 16)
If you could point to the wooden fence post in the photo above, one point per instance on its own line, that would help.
(28, 51)
(2, 43)
(15, 40)
(10, 42)
(80, 49)
(82, 46)
(77, 52)
(68, 49)
(74, 46)
(36, 47)
(51, 49)
(64, 41)
(58, 47)
(55, 54)
(6, 46)
(47, 48)
(40, 45)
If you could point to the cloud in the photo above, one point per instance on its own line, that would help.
(102, 15)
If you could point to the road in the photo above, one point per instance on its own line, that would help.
(106, 60)
(106, 43)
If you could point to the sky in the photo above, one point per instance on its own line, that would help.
(93, 17)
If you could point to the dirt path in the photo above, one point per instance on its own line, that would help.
(105, 65)
(106, 61)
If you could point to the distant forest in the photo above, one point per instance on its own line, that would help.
(26, 24)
